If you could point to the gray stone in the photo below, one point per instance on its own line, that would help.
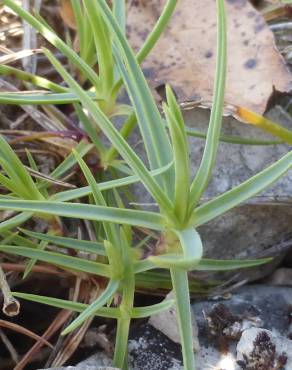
(282, 276)
(236, 163)
(259, 347)
(252, 307)
(98, 359)
(253, 228)
(224, 326)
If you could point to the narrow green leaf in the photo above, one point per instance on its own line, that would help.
(18, 170)
(233, 139)
(147, 264)
(58, 259)
(226, 265)
(181, 155)
(209, 156)
(157, 30)
(91, 310)
(119, 11)
(17, 239)
(15, 221)
(102, 42)
(107, 185)
(79, 17)
(148, 133)
(31, 78)
(114, 136)
(13, 181)
(108, 312)
(157, 280)
(154, 34)
(149, 220)
(82, 149)
(141, 312)
(9, 184)
(79, 245)
(84, 32)
(8, 238)
(152, 130)
(28, 98)
(109, 228)
(248, 189)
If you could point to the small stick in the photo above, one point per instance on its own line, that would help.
(11, 305)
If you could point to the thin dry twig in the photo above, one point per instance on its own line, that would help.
(20, 329)
(30, 38)
(59, 321)
(40, 118)
(12, 57)
(73, 340)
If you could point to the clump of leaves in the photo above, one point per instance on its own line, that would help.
(166, 176)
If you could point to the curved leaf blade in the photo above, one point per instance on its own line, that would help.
(81, 245)
(91, 310)
(248, 189)
(210, 152)
(58, 259)
(108, 312)
(132, 217)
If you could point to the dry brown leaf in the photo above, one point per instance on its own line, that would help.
(185, 55)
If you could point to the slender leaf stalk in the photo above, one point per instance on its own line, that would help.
(128, 290)
(180, 285)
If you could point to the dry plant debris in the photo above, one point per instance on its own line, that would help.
(184, 57)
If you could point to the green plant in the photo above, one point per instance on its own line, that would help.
(167, 179)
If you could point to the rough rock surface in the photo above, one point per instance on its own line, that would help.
(262, 348)
(224, 326)
(254, 306)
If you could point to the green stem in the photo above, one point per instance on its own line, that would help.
(31, 78)
(158, 29)
(182, 300)
(121, 348)
(128, 291)
(102, 41)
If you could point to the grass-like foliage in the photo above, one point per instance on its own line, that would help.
(166, 173)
